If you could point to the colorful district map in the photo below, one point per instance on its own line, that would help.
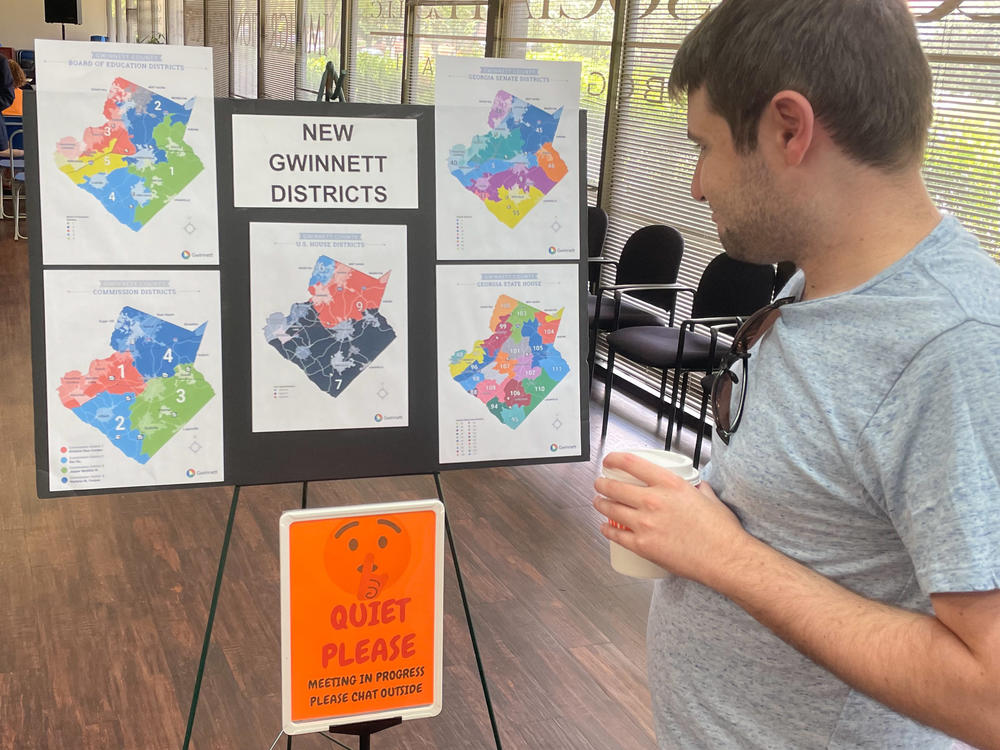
(514, 166)
(514, 369)
(137, 161)
(339, 331)
(145, 392)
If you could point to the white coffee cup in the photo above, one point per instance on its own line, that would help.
(625, 560)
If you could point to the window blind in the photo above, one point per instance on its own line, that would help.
(217, 37)
(277, 59)
(456, 29)
(243, 52)
(375, 68)
(319, 29)
(577, 30)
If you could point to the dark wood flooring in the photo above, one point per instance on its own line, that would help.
(104, 600)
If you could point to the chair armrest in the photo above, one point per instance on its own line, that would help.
(648, 287)
(715, 325)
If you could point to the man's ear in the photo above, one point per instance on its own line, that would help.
(787, 126)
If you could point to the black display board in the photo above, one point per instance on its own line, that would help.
(272, 457)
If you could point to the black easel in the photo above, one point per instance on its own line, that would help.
(363, 730)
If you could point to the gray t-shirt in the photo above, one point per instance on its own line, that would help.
(868, 451)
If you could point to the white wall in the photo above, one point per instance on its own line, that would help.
(23, 21)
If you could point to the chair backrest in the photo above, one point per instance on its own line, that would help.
(652, 255)
(732, 287)
(597, 230)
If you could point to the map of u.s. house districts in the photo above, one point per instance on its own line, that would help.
(338, 332)
(516, 367)
(141, 395)
(328, 333)
(513, 166)
(136, 161)
(127, 167)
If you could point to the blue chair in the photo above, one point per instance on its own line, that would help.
(18, 201)
(11, 162)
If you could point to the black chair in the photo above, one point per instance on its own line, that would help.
(597, 231)
(727, 291)
(646, 271)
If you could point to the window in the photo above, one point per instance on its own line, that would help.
(456, 29)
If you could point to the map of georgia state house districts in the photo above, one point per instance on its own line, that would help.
(137, 161)
(147, 390)
(339, 331)
(511, 168)
(514, 369)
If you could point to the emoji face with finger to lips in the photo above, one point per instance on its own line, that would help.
(366, 555)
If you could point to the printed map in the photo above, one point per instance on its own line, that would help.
(137, 161)
(511, 168)
(516, 367)
(339, 331)
(147, 390)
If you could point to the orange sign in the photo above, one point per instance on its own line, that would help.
(361, 600)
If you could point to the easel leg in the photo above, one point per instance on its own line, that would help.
(305, 502)
(468, 616)
(211, 615)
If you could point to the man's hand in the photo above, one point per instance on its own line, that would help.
(688, 531)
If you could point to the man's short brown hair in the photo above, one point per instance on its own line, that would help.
(858, 62)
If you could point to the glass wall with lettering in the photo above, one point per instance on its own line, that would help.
(458, 30)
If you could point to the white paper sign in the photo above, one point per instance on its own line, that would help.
(133, 378)
(324, 162)
(508, 362)
(328, 327)
(507, 141)
(126, 154)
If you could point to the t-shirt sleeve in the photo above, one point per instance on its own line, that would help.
(930, 456)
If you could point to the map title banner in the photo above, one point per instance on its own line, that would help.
(329, 162)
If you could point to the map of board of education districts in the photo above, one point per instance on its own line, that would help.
(137, 161)
(514, 369)
(147, 390)
(339, 331)
(511, 168)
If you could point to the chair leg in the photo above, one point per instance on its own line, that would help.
(17, 212)
(663, 392)
(702, 420)
(609, 381)
(670, 418)
(683, 402)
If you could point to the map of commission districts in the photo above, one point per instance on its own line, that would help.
(514, 369)
(147, 390)
(137, 161)
(514, 166)
(339, 332)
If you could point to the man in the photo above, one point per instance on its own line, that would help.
(6, 96)
(838, 572)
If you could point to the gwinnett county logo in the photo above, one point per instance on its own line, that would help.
(552, 249)
(190, 473)
(553, 447)
(186, 254)
(378, 417)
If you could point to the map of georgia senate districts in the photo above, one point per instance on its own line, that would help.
(339, 331)
(514, 369)
(147, 390)
(514, 166)
(137, 161)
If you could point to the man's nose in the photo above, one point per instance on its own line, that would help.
(696, 192)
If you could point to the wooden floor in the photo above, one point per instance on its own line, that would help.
(104, 600)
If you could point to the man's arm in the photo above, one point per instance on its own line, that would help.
(942, 670)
